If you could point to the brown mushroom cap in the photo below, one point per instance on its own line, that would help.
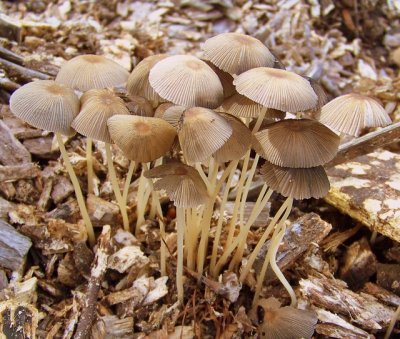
(47, 105)
(319, 91)
(236, 53)
(138, 81)
(201, 133)
(277, 88)
(225, 78)
(173, 115)
(98, 105)
(186, 80)
(297, 143)
(285, 322)
(298, 183)
(237, 144)
(138, 105)
(351, 113)
(242, 107)
(86, 72)
(182, 183)
(141, 139)
(160, 110)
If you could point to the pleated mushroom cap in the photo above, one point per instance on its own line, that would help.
(173, 115)
(297, 143)
(138, 80)
(181, 182)
(89, 71)
(351, 113)
(225, 78)
(298, 183)
(242, 107)
(286, 322)
(236, 53)
(98, 105)
(47, 105)
(160, 110)
(319, 91)
(187, 81)
(201, 133)
(141, 139)
(237, 144)
(277, 88)
(138, 105)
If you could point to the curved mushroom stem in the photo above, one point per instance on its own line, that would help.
(392, 323)
(142, 197)
(286, 206)
(78, 191)
(128, 179)
(89, 164)
(116, 189)
(180, 226)
(271, 257)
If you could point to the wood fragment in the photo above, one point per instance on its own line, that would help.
(8, 85)
(102, 212)
(12, 151)
(17, 172)
(13, 247)
(111, 326)
(9, 28)
(359, 264)
(98, 271)
(22, 73)
(127, 257)
(18, 320)
(11, 56)
(382, 294)
(388, 277)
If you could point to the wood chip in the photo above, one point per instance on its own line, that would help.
(12, 151)
(388, 277)
(16, 172)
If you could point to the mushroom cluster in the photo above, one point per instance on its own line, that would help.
(191, 123)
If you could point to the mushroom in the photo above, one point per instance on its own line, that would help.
(236, 53)
(187, 81)
(98, 105)
(186, 189)
(141, 139)
(85, 72)
(51, 106)
(286, 322)
(138, 105)
(350, 113)
(138, 81)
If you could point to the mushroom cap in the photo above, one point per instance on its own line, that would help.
(352, 112)
(236, 53)
(138, 105)
(173, 115)
(98, 105)
(242, 107)
(160, 110)
(225, 78)
(201, 133)
(319, 91)
(186, 80)
(138, 81)
(297, 143)
(277, 88)
(47, 105)
(298, 183)
(141, 139)
(85, 72)
(182, 183)
(237, 144)
(285, 322)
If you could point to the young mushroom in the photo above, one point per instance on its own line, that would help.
(51, 106)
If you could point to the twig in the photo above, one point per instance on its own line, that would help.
(11, 56)
(24, 73)
(96, 277)
(366, 144)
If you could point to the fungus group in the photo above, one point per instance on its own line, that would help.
(191, 124)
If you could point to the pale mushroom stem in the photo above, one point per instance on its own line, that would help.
(286, 206)
(243, 233)
(141, 204)
(180, 226)
(89, 164)
(154, 194)
(271, 257)
(131, 170)
(78, 191)
(218, 231)
(116, 189)
(393, 320)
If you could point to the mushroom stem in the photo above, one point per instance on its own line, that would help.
(180, 226)
(154, 195)
(78, 191)
(116, 189)
(287, 205)
(271, 257)
(217, 237)
(194, 220)
(132, 167)
(259, 121)
(393, 320)
(203, 175)
(141, 204)
(89, 164)
(243, 233)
